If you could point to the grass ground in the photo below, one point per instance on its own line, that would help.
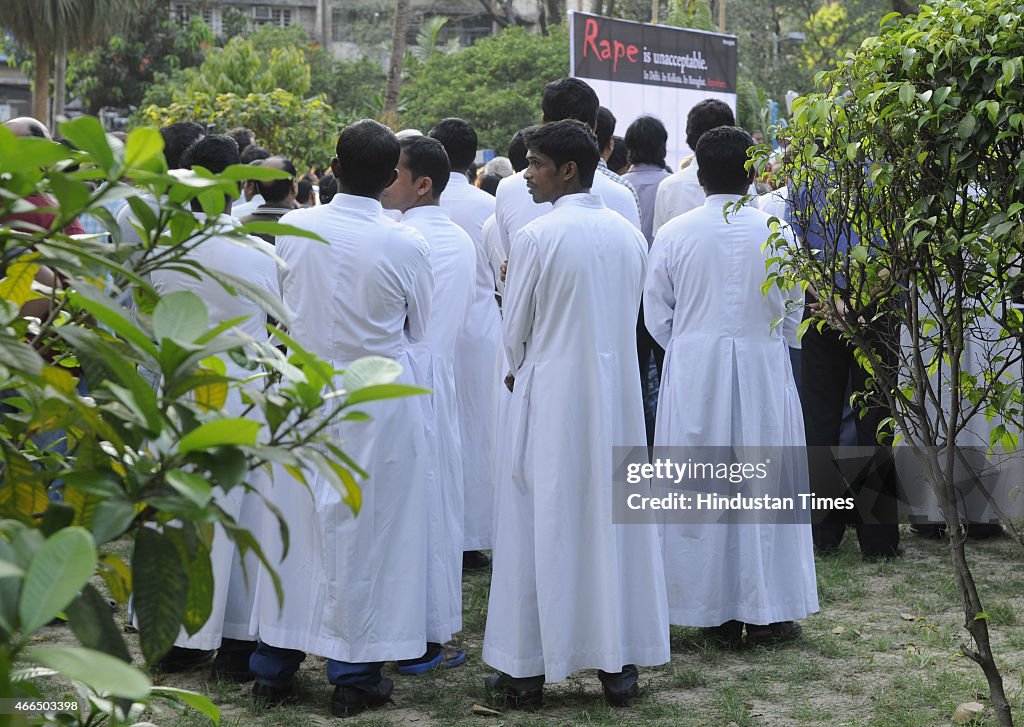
(882, 652)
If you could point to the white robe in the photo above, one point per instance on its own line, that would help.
(355, 586)
(727, 381)
(678, 194)
(233, 581)
(776, 204)
(514, 207)
(475, 352)
(571, 590)
(453, 261)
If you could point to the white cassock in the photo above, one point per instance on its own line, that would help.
(476, 350)
(355, 586)
(453, 261)
(571, 590)
(233, 582)
(727, 381)
(514, 207)
(776, 204)
(495, 253)
(678, 194)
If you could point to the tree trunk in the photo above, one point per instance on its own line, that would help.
(41, 86)
(60, 74)
(397, 57)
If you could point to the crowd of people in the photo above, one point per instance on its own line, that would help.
(546, 299)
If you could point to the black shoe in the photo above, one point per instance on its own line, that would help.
(233, 666)
(871, 556)
(621, 698)
(773, 634)
(179, 660)
(726, 636)
(350, 701)
(526, 700)
(269, 696)
(475, 560)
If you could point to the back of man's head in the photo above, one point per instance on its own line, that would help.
(215, 152)
(517, 149)
(278, 190)
(243, 137)
(567, 141)
(705, 116)
(367, 154)
(459, 140)
(569, 98)
(178, 137)
(424, 156)
(605, 128)
(646, 139)
(721, 160)
(619, 158)
(253, 153)
(27, 126)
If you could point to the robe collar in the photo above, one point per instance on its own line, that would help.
(359, 205)
(457, 178)
(581, 199)
(432, 213)
(721, 200)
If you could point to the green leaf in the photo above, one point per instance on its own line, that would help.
(92, 622)
(113, 316)
(370, 371)
(142, 145)
(111, 519)
(199, 602)
(193, 487)
(197, 701)
(383, 391)
(71, 193)
(244, 173)
(160, 590)
(86, 133)
(9, 570)
(233, 431)
(180, 316)
(278, 230)
(906, 94)
(967, 127)
(56, 574)
(96, 670)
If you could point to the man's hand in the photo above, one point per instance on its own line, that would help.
(510, 380)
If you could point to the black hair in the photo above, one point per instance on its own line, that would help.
(605, 127)
(721, 160)
(215, 152)
(328, 188)
(367, 154)
(705, 116)
(426, 157)
(569, 98)
(567, 141)
(646, 139)
(619, 156)
(459, 140)
(243, 137)
(277, 189)
(303, 192)
(178, 137)
(471, 172)
(517, 149)
(253, 153)
(489, 183)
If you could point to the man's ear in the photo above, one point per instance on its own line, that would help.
(335, 167)
(424, 186)
(570, 171)
(700, 178)
(392, 178)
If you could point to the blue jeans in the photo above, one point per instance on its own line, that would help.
(276, 667)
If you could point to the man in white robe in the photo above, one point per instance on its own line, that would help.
(355, 586)
(727, 383)
(566, 98)
(570, 589)
(422, 175)
(681, 192)
(477, 347)
(227, 629)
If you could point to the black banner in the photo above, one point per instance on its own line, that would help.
(654, 55)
